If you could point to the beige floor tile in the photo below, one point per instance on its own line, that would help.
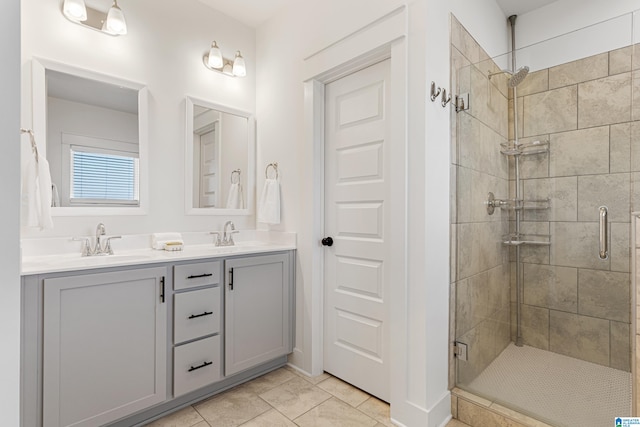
(232, 408)
(335, 413)
(378, 410)
(295, 397)
(344, 391)
(270, 418)
(187, 417)
(456, 423)
(267, 382)
(313, 380)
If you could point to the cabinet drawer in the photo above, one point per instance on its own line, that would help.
(198, 274)
(196, 314)
(196, 365)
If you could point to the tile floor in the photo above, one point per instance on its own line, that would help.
(286, 398)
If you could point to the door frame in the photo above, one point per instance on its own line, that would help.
(382, 39)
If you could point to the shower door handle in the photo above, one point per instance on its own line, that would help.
(604, 238)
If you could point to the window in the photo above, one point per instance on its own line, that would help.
(102, 176)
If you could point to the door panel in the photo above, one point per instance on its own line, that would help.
(356, 314)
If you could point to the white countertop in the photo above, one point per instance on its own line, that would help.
(37, 257)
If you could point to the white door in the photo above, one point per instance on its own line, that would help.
(356, 304)
(209, 181)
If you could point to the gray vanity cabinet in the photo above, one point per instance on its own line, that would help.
(105, 346)
(258, 311)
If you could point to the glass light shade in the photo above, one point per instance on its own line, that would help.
(215, 56)
(75, 10)
(116, 23)
(239, 68)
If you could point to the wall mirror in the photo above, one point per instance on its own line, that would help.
(92, 128)
(219, 159)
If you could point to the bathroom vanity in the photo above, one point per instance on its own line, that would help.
(124, 339)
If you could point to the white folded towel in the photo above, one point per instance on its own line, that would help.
(235, 199)
(158, 240)
(36, 194)
(269, 203)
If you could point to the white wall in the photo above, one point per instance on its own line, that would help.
(283, 43)
(163, 50)
(10, 224)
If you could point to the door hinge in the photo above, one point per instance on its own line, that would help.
(162, 289)
(460, 351)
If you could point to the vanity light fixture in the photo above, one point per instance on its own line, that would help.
(216, 62)
(111, 22)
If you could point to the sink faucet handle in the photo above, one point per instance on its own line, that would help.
(86, 247)
(217, 239)
(107, 246)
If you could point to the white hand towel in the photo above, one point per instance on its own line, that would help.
(269, 204)
(158, 240)
(36, 194)
(235, 199)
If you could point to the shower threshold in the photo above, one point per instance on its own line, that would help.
(554, 388)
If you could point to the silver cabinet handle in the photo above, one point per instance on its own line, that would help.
(604, 238)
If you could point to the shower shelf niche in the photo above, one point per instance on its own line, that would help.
(526, 239)
(513, 148)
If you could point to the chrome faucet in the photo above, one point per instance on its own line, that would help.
(227, 236)
(98, 249)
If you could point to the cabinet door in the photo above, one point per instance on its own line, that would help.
(257, 311)
(105, 346)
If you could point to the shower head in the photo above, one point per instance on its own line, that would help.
(516, 78)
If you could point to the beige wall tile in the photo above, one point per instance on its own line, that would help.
(532, 166)
(576, 244)
(579, 71)
(535, 326)
(620, 346)
(472, 188)
(536, 82)
(454, 406)
(579, 152)
(479, 297)
(463, 41)
(620, 148)
(480, 247)
(476, 416)
(487, 103)
(612, 191)
(620, 250)
(551, 111)
(551, 286)
(620, 60)
(635, 58)
(582, 337)
(604, 294)
(479, 147)
(453, 249)
(562, 194)
(470, 397)
(635, 107)
(604, 101)
(635, 146)
(480, 349)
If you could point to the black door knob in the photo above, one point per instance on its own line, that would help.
(327, 241)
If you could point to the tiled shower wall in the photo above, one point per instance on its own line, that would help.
(480, 264)
(574, 303)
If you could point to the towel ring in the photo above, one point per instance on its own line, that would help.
(237, 171)
(275, 168)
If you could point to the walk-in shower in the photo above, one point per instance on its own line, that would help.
(542, 322)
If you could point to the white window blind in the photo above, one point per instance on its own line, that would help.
(104, 176)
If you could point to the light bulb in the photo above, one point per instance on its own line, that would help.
(215, 56)
(75, 10)
(116, 23)
(239, 68)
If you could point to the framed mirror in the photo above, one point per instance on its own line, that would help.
(92, 128)
(219, 159)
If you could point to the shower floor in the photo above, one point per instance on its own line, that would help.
(556, 389)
